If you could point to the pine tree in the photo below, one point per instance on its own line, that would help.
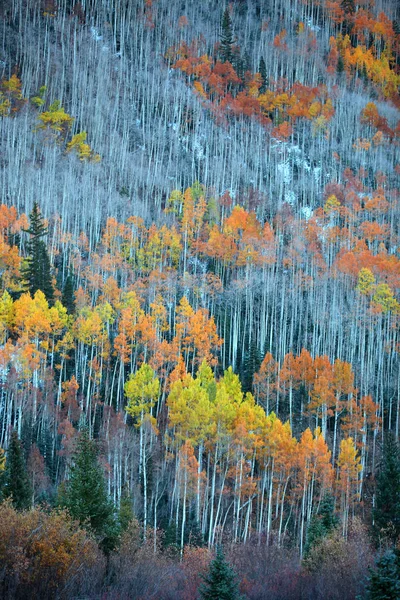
(220, 582)
(68, 295)
(249, 365)
(348, 7)
(37, 271)
(364, 73)
(262, 69)
(384, 581)
(237, 62)
(387, 507)
(170, 538)
(321, 524)
(193, 534)
(125, 514)
(246, 63)
(226, 38)
(16, 481)
(340, 65)
(86, 497)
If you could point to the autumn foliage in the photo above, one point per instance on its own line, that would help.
(44, 554)
(224, 313)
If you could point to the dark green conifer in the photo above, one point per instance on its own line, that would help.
(387, 505)
(85, 495)
(37, 272)
(262, 69)
(226, 38)
(364, 73)
(246, 61)
(241, 64)
(340, 65)
(250, 364)
(237, 62)
(16, 481)
(170, 539)
(193, 534)
(125, 514)
(68, 294)
(384, 581)
(348, 7)
(322, 523)
(220, 582)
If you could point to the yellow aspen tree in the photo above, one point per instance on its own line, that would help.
(366, 282)
(190, 415)
(142, 390)
(349, 468)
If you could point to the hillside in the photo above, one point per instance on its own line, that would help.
(200, 280)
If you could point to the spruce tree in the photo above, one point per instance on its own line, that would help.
(170, 538)
(340, 65)
(387, 506)
(364, 73)
(86, 496)
(193, 534)
(226, 38)
(125, 514)
(322, 523)
(37, 272)
(250, 364)
(220, 582)
(68, 295)
(241, 64)
(348, 7)
(262, 69)
(237, 61)
(384, 581)
(16, 482)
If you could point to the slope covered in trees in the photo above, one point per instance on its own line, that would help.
(199, 303)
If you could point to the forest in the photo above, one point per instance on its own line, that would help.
(200, 299)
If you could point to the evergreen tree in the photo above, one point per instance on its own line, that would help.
(340, 65)
(125, 514)
(262, 69)
(193, 534)
(220, 582)
(250, 364)
(237, 62)
(170, 539)
(37, 271)
(348, 7)
(384, 581)
(364, 73)
(68, 295)
(16, 482)
(321, 524)
(241, 64)
(387, 506)
(86, 497)
(226, 38)
(246, 62)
